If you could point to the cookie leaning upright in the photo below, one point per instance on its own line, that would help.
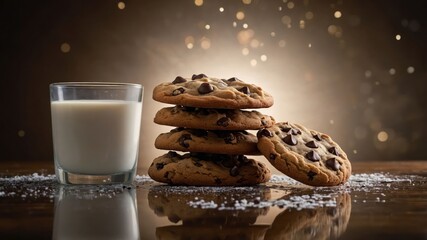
(207, 92)
(308, 156)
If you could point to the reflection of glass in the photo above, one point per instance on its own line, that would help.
(95, 213)
(204, 222)
(317, 223)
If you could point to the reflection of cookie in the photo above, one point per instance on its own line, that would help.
(173, 202)
(205, 92)
(197, 140)
(319, 223)
(306, 155)
(255, 232)
(212, 119)
(201, 169)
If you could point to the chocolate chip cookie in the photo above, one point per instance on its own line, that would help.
(306, 155)
(201, 169)
(198, 140)
(207, 92)
(212, 119)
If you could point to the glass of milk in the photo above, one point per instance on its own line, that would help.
(95, 128)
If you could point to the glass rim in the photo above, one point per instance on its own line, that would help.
(94, 84)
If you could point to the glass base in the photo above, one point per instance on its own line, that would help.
(65, 177)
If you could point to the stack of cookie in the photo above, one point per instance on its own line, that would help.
(211, 126)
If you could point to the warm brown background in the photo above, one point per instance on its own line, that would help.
(347, 76)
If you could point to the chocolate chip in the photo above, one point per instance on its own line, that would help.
(182, 140)
(178, 91)
(311, 144)
(205, 88)
(174, 218)
(317, 137)
(311, 175)
(296, 131)
(272, 156)
(234, 171)
(201, 75)
(245, 90)
(313, 156)
(264, 133)
(333, 150)
(239, 159)
(223, 122)
(285, 129)
(233, 79)
(263, 122)
(218, 181)
(230, 138)
(290, 140)
(179, 79)
(240, 136)
(159, 166)
(171, 154)
(333, 164)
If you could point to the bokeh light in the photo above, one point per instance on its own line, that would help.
(65, 47)
(205, 43)
(198, 3)
(253, 62)
(263, 58)
(21, 133)
(245, 52)
(240, 15)
(121, 5)
(309, 15)
(382, 136)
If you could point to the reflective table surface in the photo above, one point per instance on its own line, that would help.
(382, 200)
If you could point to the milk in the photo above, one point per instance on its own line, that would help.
(96, 136)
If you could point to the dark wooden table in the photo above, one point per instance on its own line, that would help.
(389, 201)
